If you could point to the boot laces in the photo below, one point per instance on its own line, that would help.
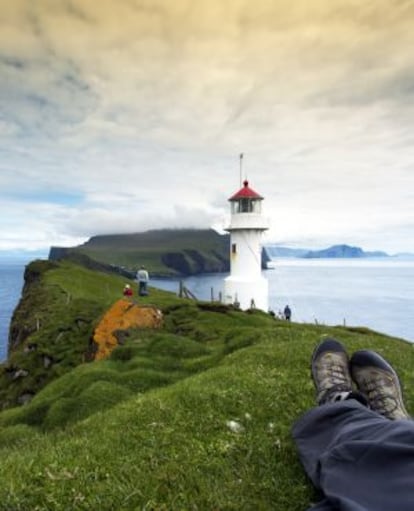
(334, 380)
(380, 395)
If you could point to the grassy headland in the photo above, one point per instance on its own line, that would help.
(195, 416)
(168, 252)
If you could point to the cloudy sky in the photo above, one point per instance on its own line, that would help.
(127, 115)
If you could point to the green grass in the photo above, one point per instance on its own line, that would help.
(148, 429)
(57, 316)
(151, 248)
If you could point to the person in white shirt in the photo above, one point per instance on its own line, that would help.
(143, 278)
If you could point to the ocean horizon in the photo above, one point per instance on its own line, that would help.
(373, 293)
(11, 285)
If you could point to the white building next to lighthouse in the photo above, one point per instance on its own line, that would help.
(246, 285)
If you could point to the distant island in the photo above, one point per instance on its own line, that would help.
(333, 252)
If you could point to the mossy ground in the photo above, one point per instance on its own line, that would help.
(149, 428)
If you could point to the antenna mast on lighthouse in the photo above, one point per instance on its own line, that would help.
(241, 166)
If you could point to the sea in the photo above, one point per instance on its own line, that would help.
(374, 293)
(11, 284)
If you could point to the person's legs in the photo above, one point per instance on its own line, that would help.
(141, 288)
(361, 460)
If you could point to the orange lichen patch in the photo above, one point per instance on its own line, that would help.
(122, 315)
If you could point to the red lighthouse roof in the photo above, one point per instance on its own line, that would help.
(245, 193)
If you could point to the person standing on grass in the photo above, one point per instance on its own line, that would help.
(287, 313)
(143, 278)
(357, 444)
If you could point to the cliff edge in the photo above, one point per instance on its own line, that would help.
(164, 252)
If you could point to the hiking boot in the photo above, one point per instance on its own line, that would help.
(378, 381)
(330, 372)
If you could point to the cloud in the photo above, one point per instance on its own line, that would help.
(44, 98)
(131, 115)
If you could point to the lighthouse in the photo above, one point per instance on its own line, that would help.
(245, 286)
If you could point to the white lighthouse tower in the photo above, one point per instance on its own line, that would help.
(245, 285)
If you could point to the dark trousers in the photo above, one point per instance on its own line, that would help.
(359, 459)
(142, 288)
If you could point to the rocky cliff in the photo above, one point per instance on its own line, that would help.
(165, 252)
(51, 327)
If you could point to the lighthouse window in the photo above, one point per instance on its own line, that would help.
(245, 206)
(233, 248)
(257, 206)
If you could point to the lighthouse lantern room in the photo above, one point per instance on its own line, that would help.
(246, 286)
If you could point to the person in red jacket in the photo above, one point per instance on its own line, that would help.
(127, 290)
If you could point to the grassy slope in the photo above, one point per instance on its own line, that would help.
(59, 310)
(148, 428)
(148, 248)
